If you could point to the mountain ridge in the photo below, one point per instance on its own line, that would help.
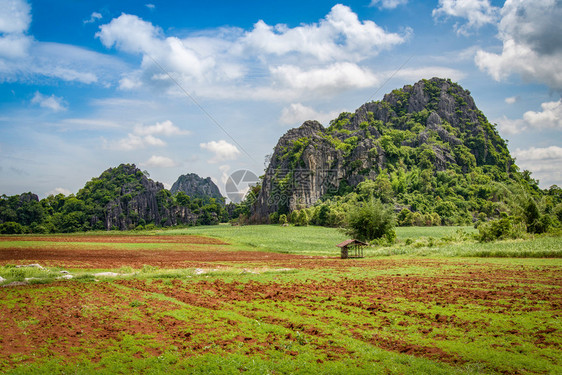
(197, 187)
(429, 127)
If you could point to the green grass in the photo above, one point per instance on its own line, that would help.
(489, 308)
(309, 240)
(415, 241)
(317, 321)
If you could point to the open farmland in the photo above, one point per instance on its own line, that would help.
(178, 302)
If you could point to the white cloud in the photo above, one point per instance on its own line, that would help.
(264, 63)
(94, 17)
(415, 74)
(60, 61)
(13, 46)
(15, 16)
(160, 162)
(531, 33)
(339, 36)
(544, 163)
(297, 113)
(130, 34)
(129, 83)
(166, 128)
(335, 77)
(59, 190)
(388, 4)
(508, 126)
(512, 99)
(546, 153)
(549, 118)
(145, 136)
(224, 169)
(150, 6)
(54, 103)
(91, 123)
(477, 12)
(222, 149)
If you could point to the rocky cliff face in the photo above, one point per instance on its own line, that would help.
(433, 124)
(133, 199)
(197, 187)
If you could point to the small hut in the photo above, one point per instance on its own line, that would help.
(352, 249)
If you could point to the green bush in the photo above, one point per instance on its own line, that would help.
(370, 220)
(505, 228)
(11, 228)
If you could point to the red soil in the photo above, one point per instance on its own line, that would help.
(184, 239)
(189, 252)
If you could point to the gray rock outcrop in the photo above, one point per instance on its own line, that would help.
(438, 120)
(197, 187)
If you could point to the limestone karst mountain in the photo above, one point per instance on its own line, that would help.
(419, 131)
(197, 187)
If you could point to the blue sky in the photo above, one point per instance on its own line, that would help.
(209, 87)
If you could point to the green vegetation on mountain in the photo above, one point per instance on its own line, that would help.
(426, 149)
(120, 198)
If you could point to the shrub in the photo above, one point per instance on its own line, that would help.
(500, 229)
(11, 227)
(370, 220)
(302, 219)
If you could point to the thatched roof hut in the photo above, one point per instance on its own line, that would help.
(352, 249)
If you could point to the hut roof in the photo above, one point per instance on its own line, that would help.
(349, 242)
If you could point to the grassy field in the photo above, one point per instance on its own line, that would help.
(437, 302)
(309, 240)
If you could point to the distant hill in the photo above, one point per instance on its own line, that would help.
(120, 198)
(425, 148)
(124, 197)
(197, 187)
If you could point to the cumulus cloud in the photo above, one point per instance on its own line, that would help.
(59, 190)
(338, 76)
(415, 74)
(508, 126)
(531, 33)
(14, 46)
(388, 4)
(131, 34)
(94, 17)
(145, 136)
(54, 103)
(543, 162)
(222, 149)
(166, 128)
(296, 113)
(512, 99)
(340, 35)
(321, 56)
(15, 18)
(477, 13)
(549, 118)
(160, 162)
(546, 153)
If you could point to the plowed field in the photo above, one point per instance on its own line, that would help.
(187, 251)
(262, 312)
